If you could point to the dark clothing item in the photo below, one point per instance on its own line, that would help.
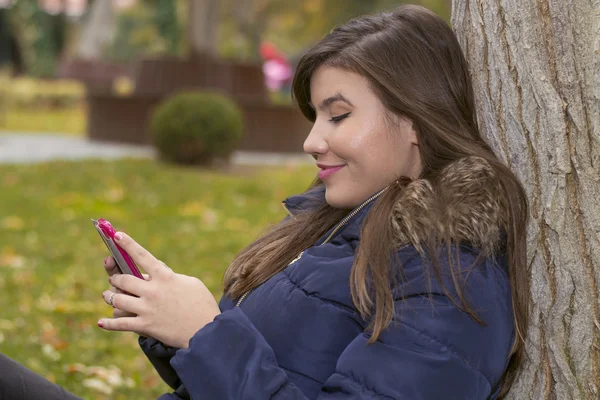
(20, 383)
(299, 336)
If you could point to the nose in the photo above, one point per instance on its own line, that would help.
(316, 143)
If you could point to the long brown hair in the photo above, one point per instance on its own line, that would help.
(414, 63)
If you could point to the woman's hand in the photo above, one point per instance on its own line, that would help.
(110, 265)
(169, 307)
(111, 268)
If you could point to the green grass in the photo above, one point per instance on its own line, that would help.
(70, 121)
(51, 273)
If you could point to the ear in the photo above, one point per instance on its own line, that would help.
(408, 129)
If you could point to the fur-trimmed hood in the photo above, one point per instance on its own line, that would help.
(467, 203)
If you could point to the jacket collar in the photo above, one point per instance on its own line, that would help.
(349, 226)
(305, 201)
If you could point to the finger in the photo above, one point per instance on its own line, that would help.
(165, 266)
(140, 255)
(114, 289)
(129, 284)
(131, 324)
(111, 266)
(107, 296)
(122, 314)
(123, 302)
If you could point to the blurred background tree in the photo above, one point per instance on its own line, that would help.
(98, 31)
(295, 25)
(122, 31)
(41, 35)
(148, 28)
(45, 39)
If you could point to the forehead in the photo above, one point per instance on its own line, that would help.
(328, 81)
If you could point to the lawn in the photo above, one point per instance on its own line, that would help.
(35, 105)
(51, 274)
(67, 120)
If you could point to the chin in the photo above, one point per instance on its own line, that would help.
(339, 199)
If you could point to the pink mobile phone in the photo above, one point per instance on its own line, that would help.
(124, 261)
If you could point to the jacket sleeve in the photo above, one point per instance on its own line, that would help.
(230, 359)
(160, 355)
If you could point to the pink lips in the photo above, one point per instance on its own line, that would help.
(328, 171)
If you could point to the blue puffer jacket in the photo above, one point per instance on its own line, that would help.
(299, 336)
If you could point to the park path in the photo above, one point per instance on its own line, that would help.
(19, 148)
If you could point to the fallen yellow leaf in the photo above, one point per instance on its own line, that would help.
(10, 258)
(12, 222)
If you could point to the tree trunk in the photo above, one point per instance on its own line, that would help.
(98, 31)
(536, 71)
(251, 19)
(202, 26)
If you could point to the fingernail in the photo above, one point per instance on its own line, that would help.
(106, 261)
(100, 324)
(110, 280)
(118, 236)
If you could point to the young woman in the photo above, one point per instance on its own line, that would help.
(400, 274)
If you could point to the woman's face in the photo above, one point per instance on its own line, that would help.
(360, 146)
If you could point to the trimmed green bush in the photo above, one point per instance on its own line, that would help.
(196, 128)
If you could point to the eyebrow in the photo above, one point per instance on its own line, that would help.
(332, 99)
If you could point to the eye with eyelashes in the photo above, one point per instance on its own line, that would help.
(339, 118)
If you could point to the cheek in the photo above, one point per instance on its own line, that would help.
(356, 143)
(367, 135)
(345, 145)
(376, 150)
(382, 158)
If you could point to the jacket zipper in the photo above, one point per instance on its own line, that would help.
(351, 215)
(337, 228)
(242, 298)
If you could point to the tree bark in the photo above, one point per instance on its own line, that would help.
(98, 31)
(202, 26)
(536, 71)
(251, 20)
